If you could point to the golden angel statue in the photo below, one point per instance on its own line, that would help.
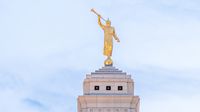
(109, 34)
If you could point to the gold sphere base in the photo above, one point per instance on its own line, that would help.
(108, 62)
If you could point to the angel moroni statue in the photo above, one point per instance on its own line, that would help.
(109, 34)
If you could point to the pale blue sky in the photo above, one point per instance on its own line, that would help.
(47, 47)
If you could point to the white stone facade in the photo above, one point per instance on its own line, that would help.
(108, 90)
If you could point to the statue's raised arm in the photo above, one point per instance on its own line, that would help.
(99, 22)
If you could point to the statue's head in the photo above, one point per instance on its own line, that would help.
(108, 22)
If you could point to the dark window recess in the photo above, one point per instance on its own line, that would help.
(120, 88)
(108, 87)
(96, 87)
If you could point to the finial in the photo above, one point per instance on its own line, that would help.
(108, 62)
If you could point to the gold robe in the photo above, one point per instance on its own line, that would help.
(108, 40)
(109, 33)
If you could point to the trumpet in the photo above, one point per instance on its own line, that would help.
(97, 14)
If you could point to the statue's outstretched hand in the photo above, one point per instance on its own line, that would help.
(118, 40)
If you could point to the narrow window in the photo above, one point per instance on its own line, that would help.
(108, 87)
(96, 87)
(120, 88)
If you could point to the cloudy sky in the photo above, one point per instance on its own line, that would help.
(47, 47)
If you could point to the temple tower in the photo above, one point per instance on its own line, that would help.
(108, 90)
